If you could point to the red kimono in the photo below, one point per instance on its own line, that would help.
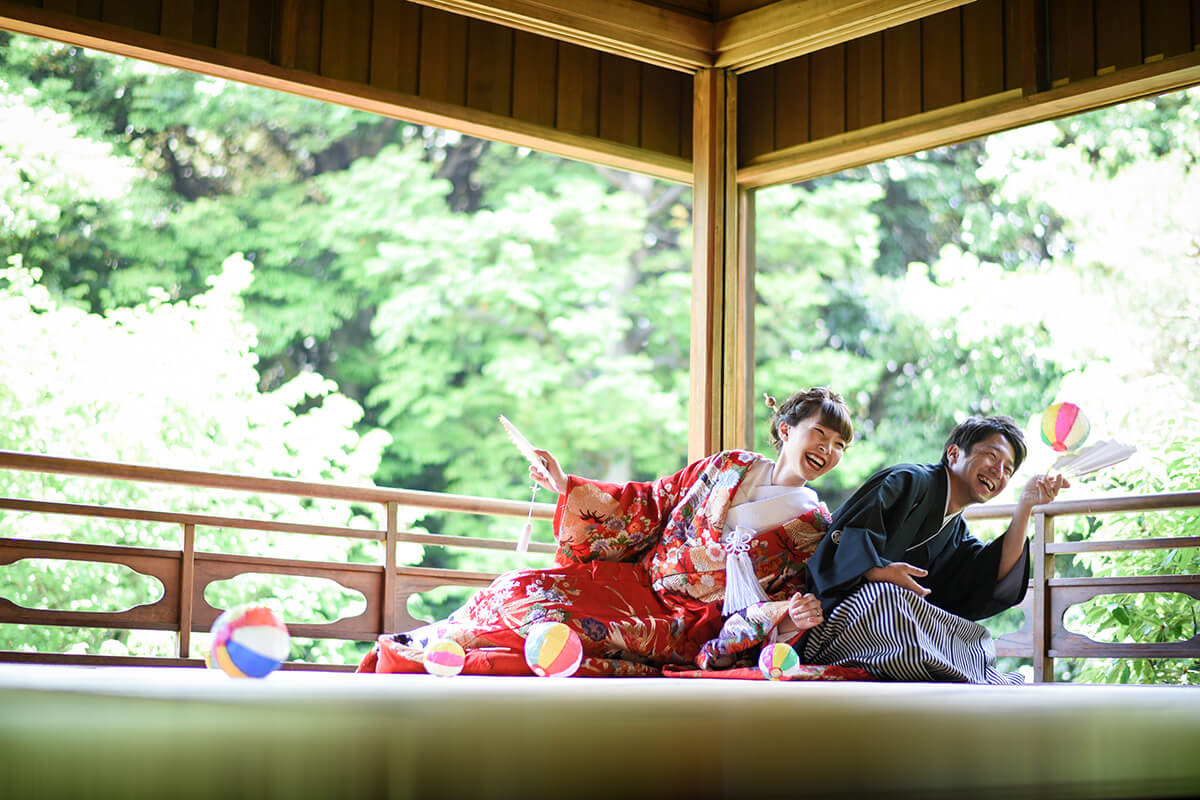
(640, 577)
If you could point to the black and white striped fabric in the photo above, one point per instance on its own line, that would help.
(897, 635)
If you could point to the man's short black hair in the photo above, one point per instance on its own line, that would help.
(975, 429)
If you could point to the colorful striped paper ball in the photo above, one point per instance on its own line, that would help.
(552, 650)
(248, 641)
(444, 657)
(1064, 426)
(778, 661)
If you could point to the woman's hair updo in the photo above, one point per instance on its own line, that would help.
(827, 404)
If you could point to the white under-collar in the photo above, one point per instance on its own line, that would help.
(946, 516)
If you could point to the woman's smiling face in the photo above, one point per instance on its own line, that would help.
(809, 450)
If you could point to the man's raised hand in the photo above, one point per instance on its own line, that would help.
(1043, 489)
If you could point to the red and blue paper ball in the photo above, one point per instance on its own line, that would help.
(248, 641)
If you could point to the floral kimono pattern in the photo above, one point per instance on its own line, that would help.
(639, 575)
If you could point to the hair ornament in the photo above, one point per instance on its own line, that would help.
(771, 402)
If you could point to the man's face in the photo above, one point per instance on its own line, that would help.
(982, 473)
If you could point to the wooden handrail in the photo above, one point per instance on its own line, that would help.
(1109, 545)
(1093, 505)
(274, 526)
(436, 501)
(183, 518)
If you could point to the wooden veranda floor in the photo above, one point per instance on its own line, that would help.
(183, 733)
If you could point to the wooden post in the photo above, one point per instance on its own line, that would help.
(187, 588)
(388, 617)
(722, 322)
(1043, 571)
(739, 374)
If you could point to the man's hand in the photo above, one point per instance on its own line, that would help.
(900, 574)
(1042, 489)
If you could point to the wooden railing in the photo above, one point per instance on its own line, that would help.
(1044, 635)
(186, 572)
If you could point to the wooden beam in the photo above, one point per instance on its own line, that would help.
(965, 121)
(750, 40)
(722, 324)
(621, 27)
(790, 28)
(376, 100)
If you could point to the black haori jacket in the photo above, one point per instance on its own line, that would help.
(896, 516)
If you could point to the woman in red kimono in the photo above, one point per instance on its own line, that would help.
(697, 569)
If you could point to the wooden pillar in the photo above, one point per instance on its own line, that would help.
(739, 429)
(722, 343)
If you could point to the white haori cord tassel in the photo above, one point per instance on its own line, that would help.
(741, 585)
(527, 531)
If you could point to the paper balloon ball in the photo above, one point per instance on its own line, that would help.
(1064, 426)
(444, 657)
(552, 650)
(778, 661)
(248, 641)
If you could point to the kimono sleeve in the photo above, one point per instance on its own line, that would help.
(743, 633)
(598, 521)
(858, 536)
(963, 582)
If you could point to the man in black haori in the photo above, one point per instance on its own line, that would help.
(900, 578)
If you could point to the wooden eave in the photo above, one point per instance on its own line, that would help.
(822, 84)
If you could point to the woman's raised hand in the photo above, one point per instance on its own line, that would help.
(558, 479)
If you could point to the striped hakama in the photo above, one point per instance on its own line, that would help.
(896, 635)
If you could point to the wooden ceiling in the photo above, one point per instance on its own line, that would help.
(818, 85)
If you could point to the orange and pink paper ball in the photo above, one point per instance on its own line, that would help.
(552, 650)
(1064, 426)
(444, 657)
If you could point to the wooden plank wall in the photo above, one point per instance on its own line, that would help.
(970, 52)
(402, 47)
